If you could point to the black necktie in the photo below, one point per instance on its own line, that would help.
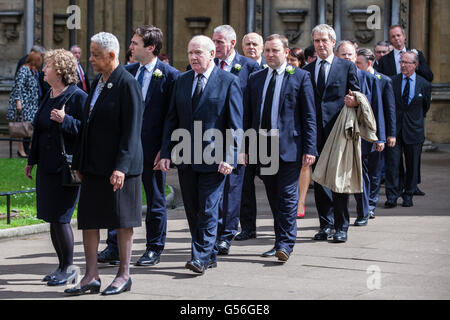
(321, 78)
(266, 121)
(198, 92)
(405, 95)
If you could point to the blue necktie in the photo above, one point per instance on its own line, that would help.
(405, 95)
(141, 76)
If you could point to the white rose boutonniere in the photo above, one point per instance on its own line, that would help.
(158, 74)
(379, 76)
(110, 85)
(265, 66)
(290, 69)
(237, 67)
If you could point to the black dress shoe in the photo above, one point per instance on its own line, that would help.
(407, 202)
(223, 247)
(93, 287)
(51, 276)
(419, 192)
(63, 279)
(245, 235)
(323, 234)
(340, 237)
(372, 214)
(361, 222)
(282, 255)
(390, 204)
(113, 290)
(270, 253)
(21, 156)
(211, 264)
(108, 256)
(149, 258)
(196, 266)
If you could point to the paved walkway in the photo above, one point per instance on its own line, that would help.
(403, 254)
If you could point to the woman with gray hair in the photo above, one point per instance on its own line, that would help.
(110, 162)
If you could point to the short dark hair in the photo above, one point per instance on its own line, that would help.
(283, 39)
(309, 52)
(382, 43)
(397, 26)
(151, 36)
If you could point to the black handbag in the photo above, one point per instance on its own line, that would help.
(68, 176)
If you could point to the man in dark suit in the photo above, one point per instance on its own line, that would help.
(390, 63)
(156, 80)
(380, 50)
(371, 88)
(412, 100)
(332, 79)
(229, 60)
(205, 99)
(280, 102)
(365, 61)
(83, 84)
(253, 47)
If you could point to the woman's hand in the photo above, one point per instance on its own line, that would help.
(117, 180)
(19, 105)
(28, 169)
(58, 115)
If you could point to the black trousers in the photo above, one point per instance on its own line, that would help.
(394, 185)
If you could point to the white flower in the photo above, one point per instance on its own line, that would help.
(290, 69)
(110, 85)
(237, 67)
(158, 73)
(265, 66)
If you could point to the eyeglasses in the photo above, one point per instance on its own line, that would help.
(407, 62)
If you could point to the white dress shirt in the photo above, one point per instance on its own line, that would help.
(147, 76)
(327, 67)
(205, 78)
(228, 61)
(276, 95)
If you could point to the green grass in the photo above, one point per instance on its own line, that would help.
(12, 178)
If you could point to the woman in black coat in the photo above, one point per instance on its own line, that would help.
(110, 161)
(59, 113)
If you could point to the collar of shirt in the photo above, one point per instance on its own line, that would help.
(329, 59)
(412, 78)
(259, 60)
(149, 66)
(396, 52)
(281, 69)
(208, 71)
(229, 60)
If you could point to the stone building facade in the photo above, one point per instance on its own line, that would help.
(44, 22)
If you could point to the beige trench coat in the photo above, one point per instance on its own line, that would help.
(339, 167)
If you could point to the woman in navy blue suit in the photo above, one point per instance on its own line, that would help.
(110, 160)
(59, 113)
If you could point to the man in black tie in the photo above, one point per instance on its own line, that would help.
(332, 79)
(84, 81)
(381, 49)
(412, 98)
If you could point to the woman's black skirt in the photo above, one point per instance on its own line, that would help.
(101, 208)
(55, 203)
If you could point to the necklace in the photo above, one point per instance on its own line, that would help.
(53, 95)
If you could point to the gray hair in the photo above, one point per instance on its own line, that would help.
(108, 42)
(257, 34)
(74, 46)
(205, 42)
(414, 53)
(382, 44)
(227, 30)
(341, 43)
(367, 54)
(38, 49)
(324, 28)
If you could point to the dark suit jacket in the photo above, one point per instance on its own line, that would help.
(111, 136)
(220, 107)
(386, 66)
(371, 88)
(155, 108)
(296, 117)
(410, 119)
(80, 84)
(387, 94)
(51, 159)
(341, 78)
(248, 67)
